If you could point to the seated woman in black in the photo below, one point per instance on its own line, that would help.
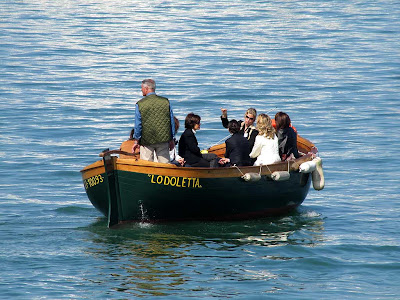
(237, 147)
(287, 137)
(188, 146)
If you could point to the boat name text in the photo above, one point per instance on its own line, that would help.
(92, 181)
(185, 182)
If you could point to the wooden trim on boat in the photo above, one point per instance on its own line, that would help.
(93, 169)
(134, 164)
(146, 167)
(305, 146)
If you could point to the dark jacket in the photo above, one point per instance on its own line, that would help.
(237, 150)
(251, 131)
(287, 141)
(188, 147)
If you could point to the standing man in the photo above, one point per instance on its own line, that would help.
(154, 125)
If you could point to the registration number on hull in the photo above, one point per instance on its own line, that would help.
(93, 181)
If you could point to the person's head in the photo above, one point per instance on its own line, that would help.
(176, 124)
(131, 134)
(148, 86)
(264, 126)
(250, 116)
(192, 121)
(233, 126)
(282, 120)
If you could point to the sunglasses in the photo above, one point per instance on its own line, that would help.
(247, 117)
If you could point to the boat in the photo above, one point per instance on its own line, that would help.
(125, 188)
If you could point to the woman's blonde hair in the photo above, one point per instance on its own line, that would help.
(264, 126)
(251, 111)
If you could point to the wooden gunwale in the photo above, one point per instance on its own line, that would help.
(303, 145)
(147, 167)
(93, 169)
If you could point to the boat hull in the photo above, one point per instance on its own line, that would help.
(156, 197)
(126, 193)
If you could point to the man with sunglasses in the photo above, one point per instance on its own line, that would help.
(247, 127)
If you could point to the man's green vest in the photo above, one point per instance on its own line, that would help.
(156, 120)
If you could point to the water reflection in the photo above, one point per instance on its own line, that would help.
(158, 259)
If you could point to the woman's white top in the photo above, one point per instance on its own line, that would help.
(266, 150)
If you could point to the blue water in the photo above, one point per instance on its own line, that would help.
(70, 74)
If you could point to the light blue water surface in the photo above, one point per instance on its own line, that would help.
(70, 74)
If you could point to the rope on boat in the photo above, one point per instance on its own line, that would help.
(276, 176)
(217, 143)
(238, 169)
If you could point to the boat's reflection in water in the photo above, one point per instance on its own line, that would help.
(157, 259)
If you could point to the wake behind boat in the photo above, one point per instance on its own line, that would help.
(131, 189)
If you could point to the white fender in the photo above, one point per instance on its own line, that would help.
(307, 167)
(318, 179)
(280, 175)
(251, 177)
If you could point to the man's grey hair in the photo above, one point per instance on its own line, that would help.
(150, 83)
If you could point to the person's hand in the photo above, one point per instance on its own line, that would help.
(223, 161)
(135, 146)
(181, 161)
(224, 112)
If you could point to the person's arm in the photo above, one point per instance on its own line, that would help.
(191, 143)
(225, 159)
(252, 138)
(138, 124)
(228, 148)
(224, 117)
(172, 121)
(138, 129)
(256, 150)
(293, 145)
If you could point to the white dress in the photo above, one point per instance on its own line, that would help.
(266, 150)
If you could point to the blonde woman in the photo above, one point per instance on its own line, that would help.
(247, 128)
(265, 148)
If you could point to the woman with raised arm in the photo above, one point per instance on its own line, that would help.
(247, 128)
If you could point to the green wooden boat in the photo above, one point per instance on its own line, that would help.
(130, 189)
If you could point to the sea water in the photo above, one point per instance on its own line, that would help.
(70, 74)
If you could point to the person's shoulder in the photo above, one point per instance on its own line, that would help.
(159, 97)
(231, 139)
(254, 129)
(165, 98)
(141, 100)
(239, 137)
(291, 131)
(187, 132)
